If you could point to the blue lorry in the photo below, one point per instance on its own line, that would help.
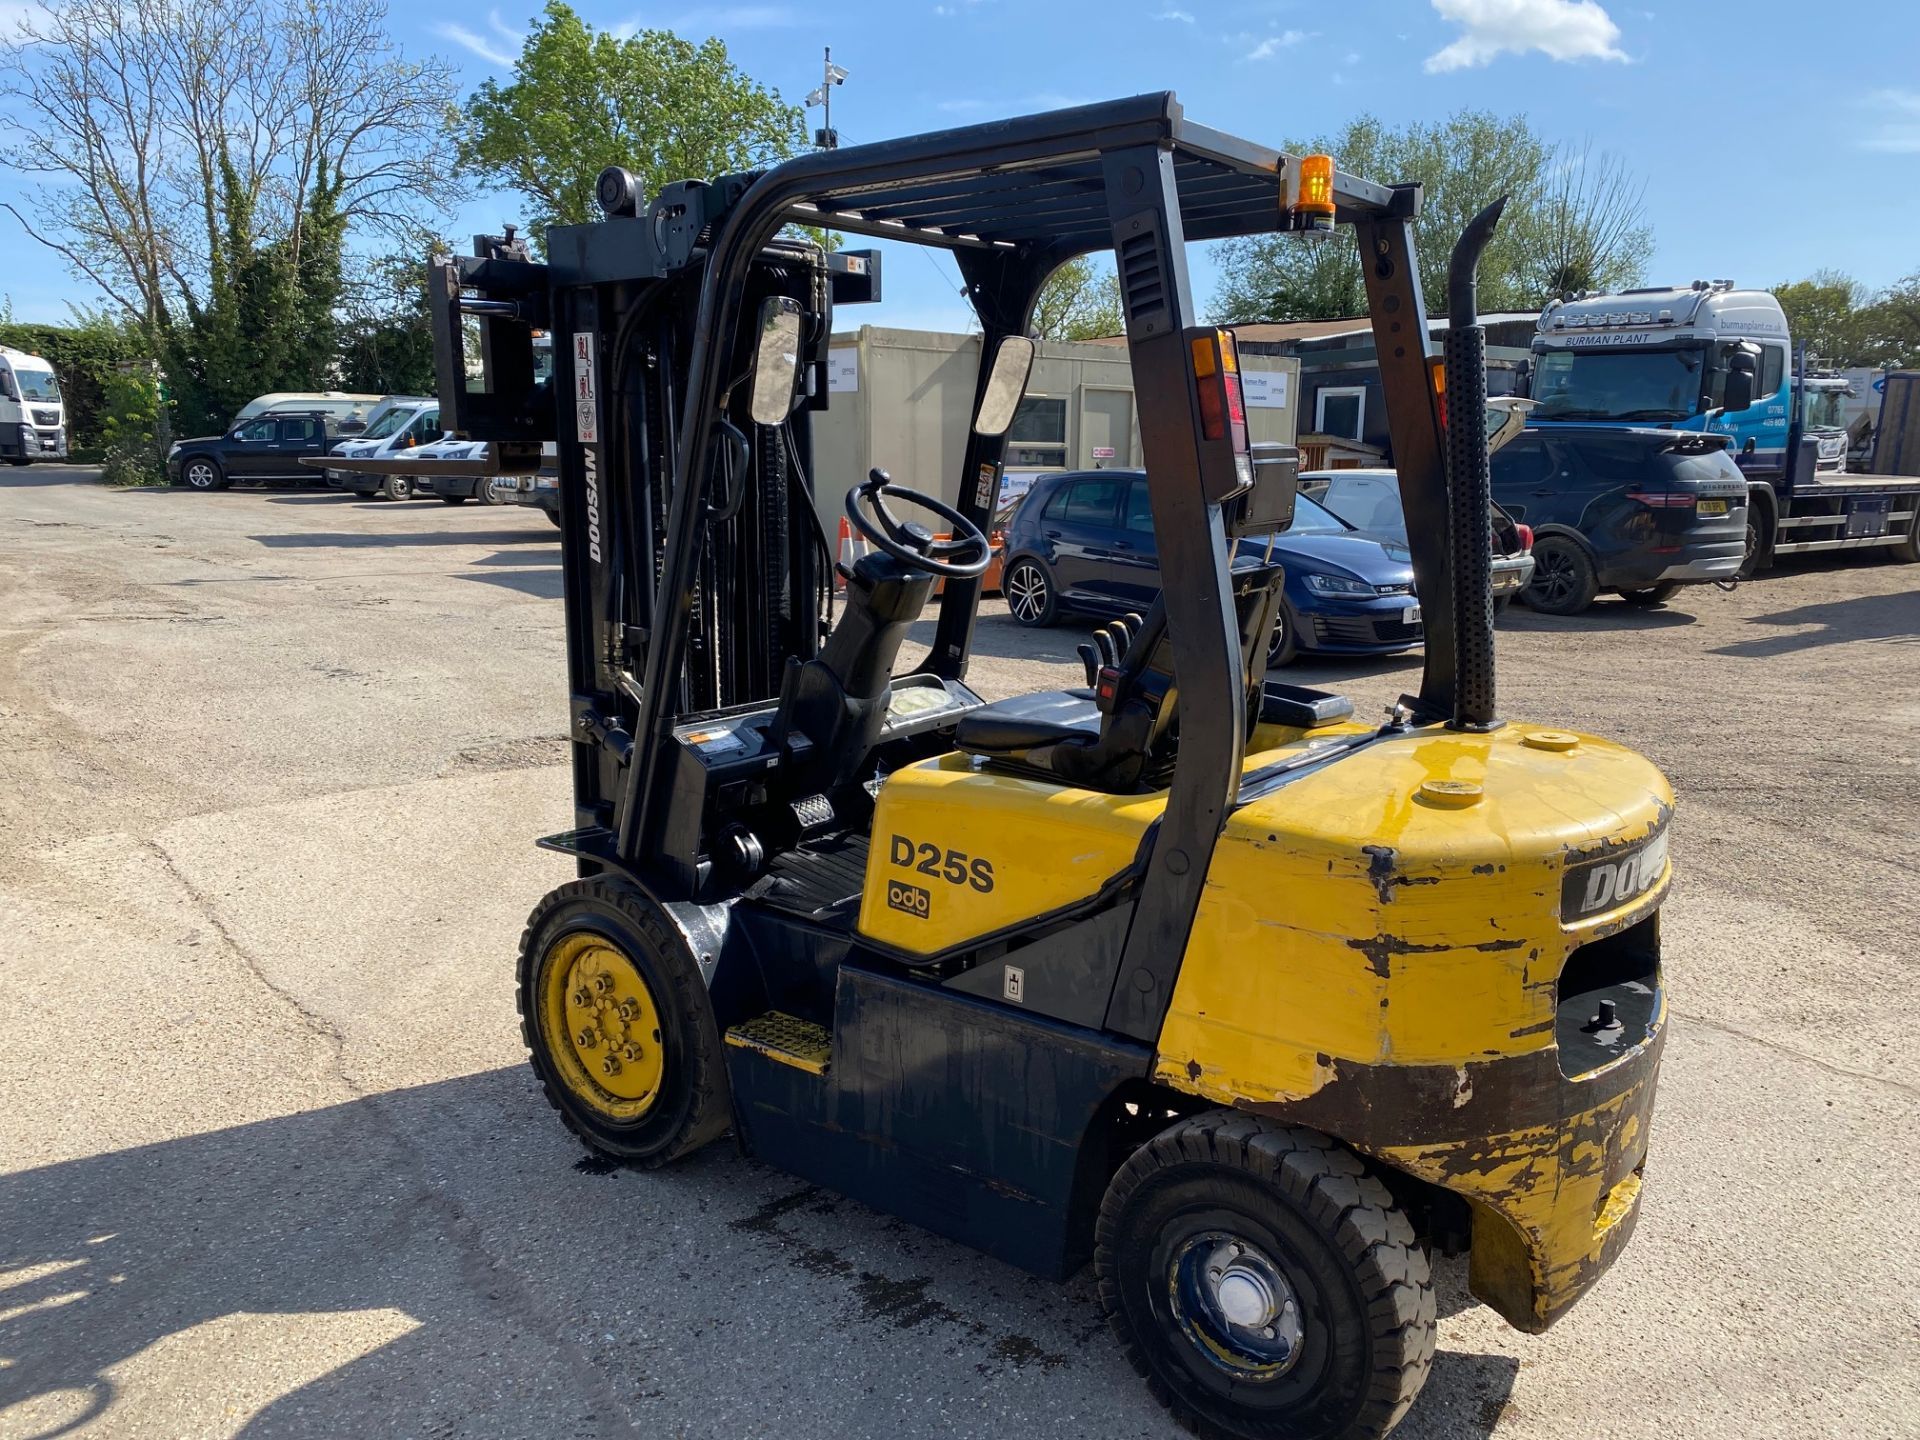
(1714, 358)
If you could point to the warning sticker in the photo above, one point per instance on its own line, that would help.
(983, 495)
(586, 403)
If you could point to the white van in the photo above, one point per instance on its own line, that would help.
(33, 414)
(404, 426)
(344, 407)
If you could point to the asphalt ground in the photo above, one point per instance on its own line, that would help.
(272, 1164)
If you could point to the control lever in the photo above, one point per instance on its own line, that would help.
(1122, 638)
(1091, 660)
(1103, 643)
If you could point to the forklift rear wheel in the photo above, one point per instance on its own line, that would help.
(1029, 594)
(618, 1026)
(1265, 1283)
(397, 487)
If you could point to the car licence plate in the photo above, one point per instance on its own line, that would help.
(1713, 507)
(1410, 615)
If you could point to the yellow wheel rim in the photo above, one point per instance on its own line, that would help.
(601, 1026)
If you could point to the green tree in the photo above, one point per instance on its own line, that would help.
(133, 430)
(386, 335)
(1571, 218)
(582, 99)
(1823, 311)
(1889, 327)
(201, 160)
(1080, 301)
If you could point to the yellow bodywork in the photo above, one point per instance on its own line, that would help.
(1043, 848)
(1376, 953)
(1370, 941)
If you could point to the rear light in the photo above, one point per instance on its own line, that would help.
(1525, 532)
(1664, 499)
(1216, 371)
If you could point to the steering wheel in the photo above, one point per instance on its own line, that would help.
(962, 557)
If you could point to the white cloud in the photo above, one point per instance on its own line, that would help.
(505, 31)
(1274, 44)
(1896, 129)
(1559, 29)
(1182, 16)
(467, 40)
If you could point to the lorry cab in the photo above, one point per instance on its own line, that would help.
(1700, 357)
(1821, 404)
(33, 421)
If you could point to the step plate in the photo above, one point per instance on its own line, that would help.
(787, 1039)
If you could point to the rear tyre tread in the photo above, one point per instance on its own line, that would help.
(1333, 1186)
(709, 1110)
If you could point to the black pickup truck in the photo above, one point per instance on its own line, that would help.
(264, 447)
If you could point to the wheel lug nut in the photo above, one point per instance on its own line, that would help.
(1268, 1332)
(629, 1009)
(603, 982)
(632, 1052)
(610, 1065)
(589, 1037)
(583, 997)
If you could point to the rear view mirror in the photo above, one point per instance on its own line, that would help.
(1005, 386)
(1738, 394)
(776, 360)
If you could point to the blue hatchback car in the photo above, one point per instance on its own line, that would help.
(1082, 543)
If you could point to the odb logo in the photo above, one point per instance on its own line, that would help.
(910, 898)
(1610, 883)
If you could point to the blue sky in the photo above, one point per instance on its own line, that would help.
(1778, 139)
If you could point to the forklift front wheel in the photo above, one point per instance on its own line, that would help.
(618, 1025)
(1265, 1283)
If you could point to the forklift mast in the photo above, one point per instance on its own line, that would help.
(695, 571)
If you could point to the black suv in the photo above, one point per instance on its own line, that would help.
(1639, 512)
(265, 447)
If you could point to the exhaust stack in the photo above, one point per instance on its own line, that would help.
(1469, 483)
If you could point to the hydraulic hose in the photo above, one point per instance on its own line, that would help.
(1469, 481)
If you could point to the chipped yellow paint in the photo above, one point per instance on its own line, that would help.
(1344, 917)
(1348, 923)
(1550, 1202)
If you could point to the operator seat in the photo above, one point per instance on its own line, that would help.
(1114, 737)
(1122, 734)
(838, 699)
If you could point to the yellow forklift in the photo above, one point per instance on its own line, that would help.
(1181, 971)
